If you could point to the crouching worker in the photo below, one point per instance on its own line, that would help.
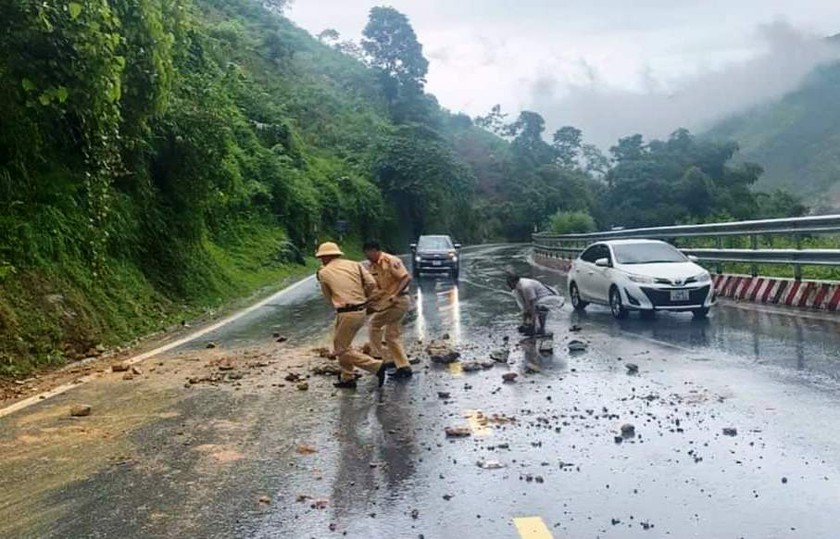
(535, 299)
(347, 286)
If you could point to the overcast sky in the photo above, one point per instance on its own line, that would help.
(610, 67)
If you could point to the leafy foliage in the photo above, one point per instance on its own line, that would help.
(565, 222)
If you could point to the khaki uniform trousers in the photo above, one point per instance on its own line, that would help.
(389, 322)
(347, 325)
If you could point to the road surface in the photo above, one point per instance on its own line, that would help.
(218, 443)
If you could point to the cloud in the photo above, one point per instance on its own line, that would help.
(784, 57)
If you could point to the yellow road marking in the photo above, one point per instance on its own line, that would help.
(477, 423)
(532, 528)
(455, 368)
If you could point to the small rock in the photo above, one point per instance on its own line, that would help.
(119, 367)
(210, 345)
(488, 364)
(618, 439)
(628, 430)
(136, 371)
(128, 376)
(509, 377)
(320, 504)
(784, 480)
(490, 464)
(448, 497)
(632, 368)
(444, 395)
(305, 449)
(282, 339)
(500, 356)
(575, 328)
(80, 410)
(457, 432)
(225, 366)
(445, 337)
(471, 366)
(730, 431)
(415, 514)
(292, 377)
(577, 346)
(265, 500)
(303, 386)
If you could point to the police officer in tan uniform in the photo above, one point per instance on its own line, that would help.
(391, 306)
(347, 286)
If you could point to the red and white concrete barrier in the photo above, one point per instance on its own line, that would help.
(818, 295)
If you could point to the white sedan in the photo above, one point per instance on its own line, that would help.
(640, 275)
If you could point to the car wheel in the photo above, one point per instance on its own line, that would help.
(455, 273)
(616, 307)
(577, 303)
(701, 313)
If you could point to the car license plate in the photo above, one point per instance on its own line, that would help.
(679, 295)
(436, 263)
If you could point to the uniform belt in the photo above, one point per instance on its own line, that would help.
(351, 308)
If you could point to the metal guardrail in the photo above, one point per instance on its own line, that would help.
(568, 246)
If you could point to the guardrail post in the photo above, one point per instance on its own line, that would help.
(797, 268)
(754, 246)
(718, 245)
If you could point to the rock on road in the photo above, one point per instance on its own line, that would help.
(727, 429)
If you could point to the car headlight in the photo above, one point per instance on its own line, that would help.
(643, 279)
(417, 259)
(454, 258)
(703, 277)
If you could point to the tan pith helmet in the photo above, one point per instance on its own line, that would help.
(328, 249)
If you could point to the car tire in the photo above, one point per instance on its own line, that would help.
(455, 273)
(700, 314)
(616, 307)
(577, 303)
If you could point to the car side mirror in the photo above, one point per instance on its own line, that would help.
(603, 263)
(693, 258)
(457, 246)
(413, 247)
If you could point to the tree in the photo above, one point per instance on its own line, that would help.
(329, 36)
(392, 47)
(595, 162)
(574, 222)
(493, 121)
(567, 144)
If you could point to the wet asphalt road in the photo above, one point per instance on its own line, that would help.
(382, 466)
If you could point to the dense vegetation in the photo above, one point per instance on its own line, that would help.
(159, 157)
(796, 139)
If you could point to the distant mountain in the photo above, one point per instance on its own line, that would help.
(796, 139)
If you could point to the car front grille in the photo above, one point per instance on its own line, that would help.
(661, 297)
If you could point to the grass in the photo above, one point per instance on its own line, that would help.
(51, 315)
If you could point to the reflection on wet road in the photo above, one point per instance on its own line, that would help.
(545, 457)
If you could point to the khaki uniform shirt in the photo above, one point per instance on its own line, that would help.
(345, 283)
(388, 271)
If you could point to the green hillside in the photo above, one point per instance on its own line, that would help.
(796, 140)
(160, 158)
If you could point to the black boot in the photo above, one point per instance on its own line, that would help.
(345, 384)
(403, 373)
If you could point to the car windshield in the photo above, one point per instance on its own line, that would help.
(647, 253)
(434, 243)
